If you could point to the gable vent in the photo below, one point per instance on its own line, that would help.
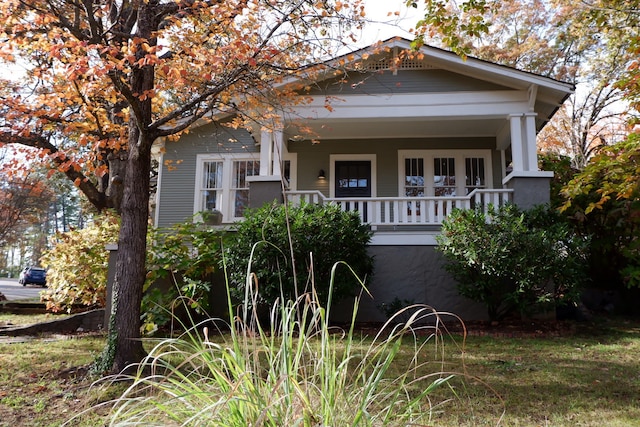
(407, 64)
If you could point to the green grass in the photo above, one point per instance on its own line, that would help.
(40, 384)
(591, 378)
(7, 319)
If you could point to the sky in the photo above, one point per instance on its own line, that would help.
(385, 26)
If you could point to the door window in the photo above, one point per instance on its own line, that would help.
(353, 178)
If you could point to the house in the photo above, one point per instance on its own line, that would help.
(405, 141)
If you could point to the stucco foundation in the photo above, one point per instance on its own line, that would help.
(413, 274)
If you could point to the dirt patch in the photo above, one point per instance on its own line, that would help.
(512, 328)
(517, 328)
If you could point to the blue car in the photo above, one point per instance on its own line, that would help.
(33, 275)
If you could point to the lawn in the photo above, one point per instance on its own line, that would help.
(590, 378)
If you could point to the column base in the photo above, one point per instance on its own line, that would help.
(529, 188)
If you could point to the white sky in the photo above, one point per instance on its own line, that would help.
(383, 25)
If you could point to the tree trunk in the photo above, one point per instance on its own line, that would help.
(132, 243)
(131, 261)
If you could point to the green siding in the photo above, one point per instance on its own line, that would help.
(313, 157)
(404, 81)
(176, 192)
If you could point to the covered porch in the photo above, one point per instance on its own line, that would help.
(405, 146)
(385, 212)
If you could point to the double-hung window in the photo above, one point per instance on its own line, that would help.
(239, 186)
(443, 173)
(221, 183)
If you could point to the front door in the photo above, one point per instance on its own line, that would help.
(353, 180)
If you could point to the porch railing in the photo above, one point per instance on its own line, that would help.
(384, 211)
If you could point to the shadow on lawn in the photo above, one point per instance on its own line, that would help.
(589, 378)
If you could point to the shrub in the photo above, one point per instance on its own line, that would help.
(314, 236)
(78, 263)
(511, 260)
(187, 254)
(563, 172)
(604, 202)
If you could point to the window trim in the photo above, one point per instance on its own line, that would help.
(227, 160)
(458, 155)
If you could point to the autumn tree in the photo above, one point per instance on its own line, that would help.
(105, 80)
(24, 200)
(604, 198)
(558, 39)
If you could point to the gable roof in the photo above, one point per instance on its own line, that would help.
(433, 57)
(441, 82)
(546, 94)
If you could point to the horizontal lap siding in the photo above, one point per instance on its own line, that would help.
(405, 81)
(313, 157)
(176, 193)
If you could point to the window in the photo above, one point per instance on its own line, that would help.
(414, 177)
(442, 173)
(352, 175)
(353, 178)
(444, 176)
(240, 188)
(474, 173)
(212, 186)
(414, 182)
(222, 184)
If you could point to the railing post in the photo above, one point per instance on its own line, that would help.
(111, 274)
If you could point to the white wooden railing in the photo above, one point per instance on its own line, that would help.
(381, 211)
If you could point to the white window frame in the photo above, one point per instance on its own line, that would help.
(292, 158)
(333, 158)
(226, 203)
(227, 159)
(458, 155)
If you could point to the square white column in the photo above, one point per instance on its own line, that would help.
(530, 142)
(278, 147)
(517, 151)
(266, 153)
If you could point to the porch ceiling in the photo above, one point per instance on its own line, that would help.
(405, 128)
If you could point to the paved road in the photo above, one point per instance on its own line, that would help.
(14, 290)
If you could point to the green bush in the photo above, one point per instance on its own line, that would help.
(604, 203)
(563, 172)
(513, 261)
(314, 236)
(186, 256)
(77, 265)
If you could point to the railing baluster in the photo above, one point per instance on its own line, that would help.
(406, 210)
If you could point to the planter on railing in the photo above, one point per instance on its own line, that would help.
(381, 211)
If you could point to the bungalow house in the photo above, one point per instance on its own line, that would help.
(405, 141)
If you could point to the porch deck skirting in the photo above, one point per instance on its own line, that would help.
(399, 211)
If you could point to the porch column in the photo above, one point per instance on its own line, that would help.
(532, 148)
(266, 153)
(530, 186)
(271, 146)
(278, 146)
(517, 152)
(267, 187)
(523, 142)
